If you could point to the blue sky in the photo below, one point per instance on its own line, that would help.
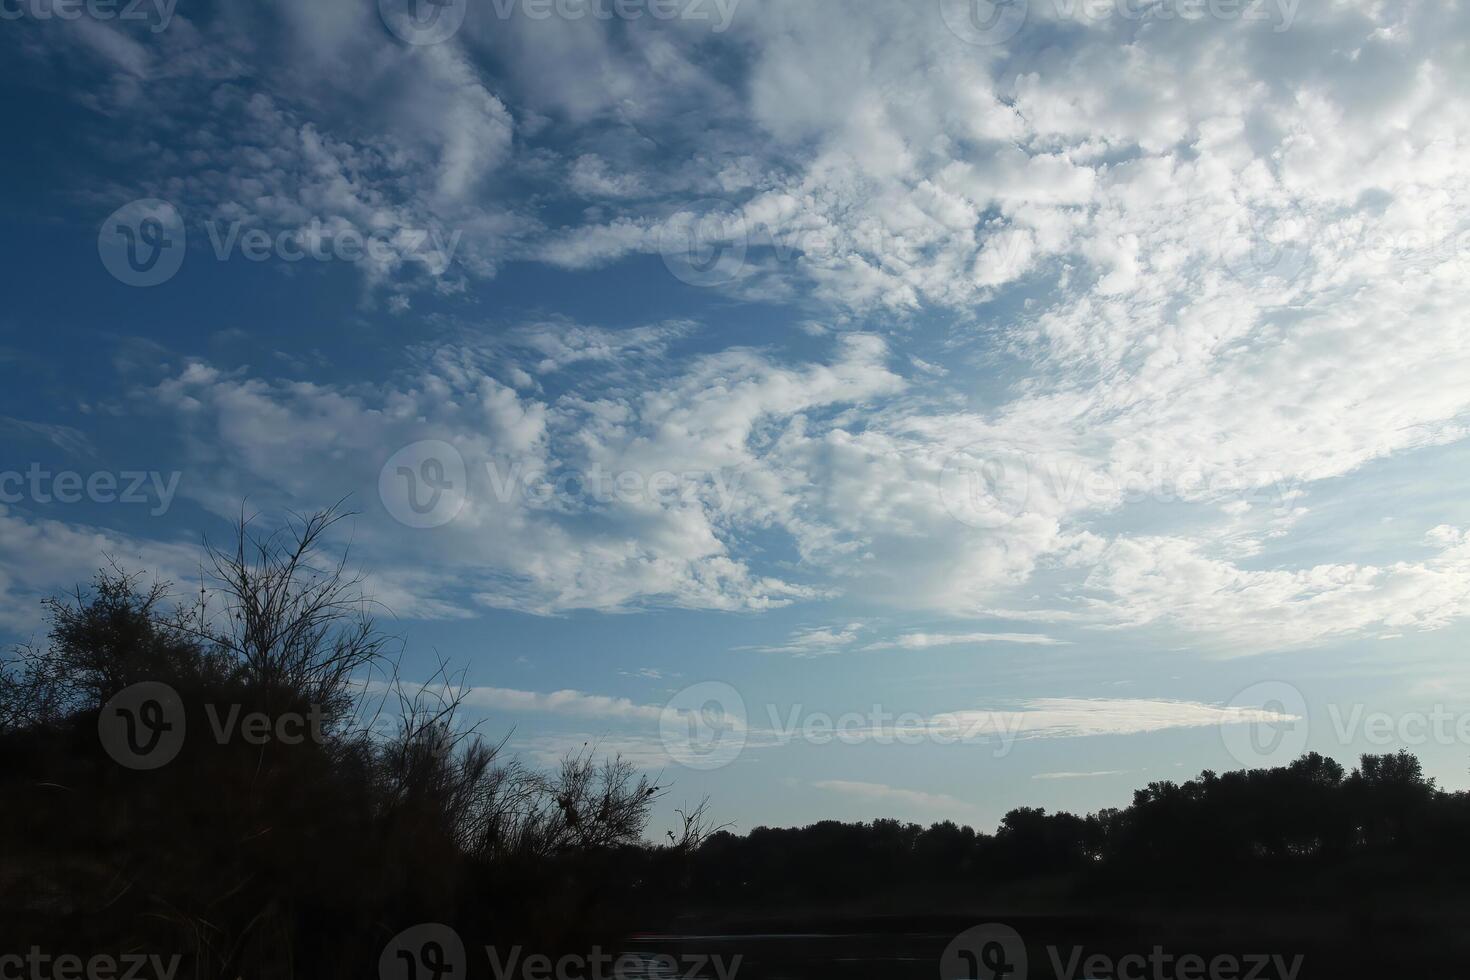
(1092, 381)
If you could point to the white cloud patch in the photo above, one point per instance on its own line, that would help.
(572, 502)
(884, 795)
(775, 725)
(41, 558)
(1085, 717)
(1247, 610)
(815, 641)
(560, 702)
(924, 641)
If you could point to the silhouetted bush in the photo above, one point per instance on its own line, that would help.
(295, 856)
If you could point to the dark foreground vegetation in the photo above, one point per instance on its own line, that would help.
(303, 857)
(282, 858)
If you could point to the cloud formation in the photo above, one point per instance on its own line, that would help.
(1183, 276)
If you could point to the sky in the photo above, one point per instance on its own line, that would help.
(840, 409)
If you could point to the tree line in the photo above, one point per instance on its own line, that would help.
(275, 857)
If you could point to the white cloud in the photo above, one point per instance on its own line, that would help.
(560, 702)
(879, 793)
(1084, 717)
(1033, 718)
(1246, 611)
(1052, 718)
(923, 641)
(1230, 262)
(815, 641)
(41, 558)
(516, 546)
(646, 752)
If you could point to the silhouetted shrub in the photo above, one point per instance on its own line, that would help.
(277, 856)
